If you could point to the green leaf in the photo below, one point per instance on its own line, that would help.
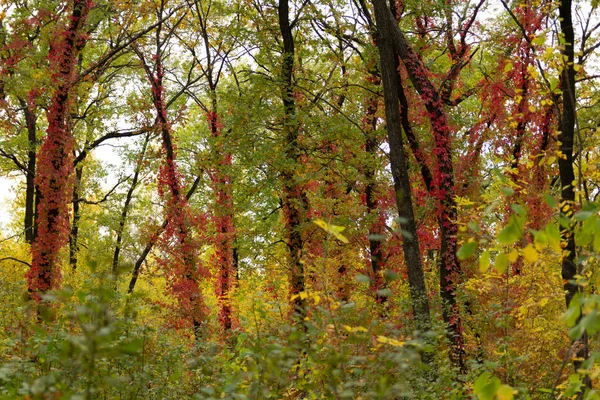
(597, 237)
(591, 322)
(484, 261)
(474, 227)
(384, 292)
(362, 278)
(466, 250)
(572, 314)
(553, 237)
(511, 232)
(583, 215)
(508, 191)
(501, 263)
(486, 386)
(519, 210)
(390, 275)
(550, 200)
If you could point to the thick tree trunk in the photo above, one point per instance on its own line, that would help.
(566, 138)
(54, 172)
(566, 169)
(295, 203)
(399, 166)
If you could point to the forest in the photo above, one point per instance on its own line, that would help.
(299, 199)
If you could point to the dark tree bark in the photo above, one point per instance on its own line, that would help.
(30, 188)
(566, 169)
(74, 235)
(410, 242)
(567, 139)
(376, 230)
(443, 176)
(294, 200)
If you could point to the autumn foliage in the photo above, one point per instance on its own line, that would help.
(298, 200)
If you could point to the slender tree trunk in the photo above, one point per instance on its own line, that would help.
(376, 230)
(30, 191)
(54, 172)
(74, 235)
(443, 177)
(223, 214)
(135, 273)
(410, 242)
(294, 200)
(126, 206)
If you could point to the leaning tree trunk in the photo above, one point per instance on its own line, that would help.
(399, 165)
(443, 176)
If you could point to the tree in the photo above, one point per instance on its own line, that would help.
(399, 164)
(55, 170)
(443, 186)
(293, 199)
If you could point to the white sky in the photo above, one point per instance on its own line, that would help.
(8, 187)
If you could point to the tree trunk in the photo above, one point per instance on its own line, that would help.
(223, 215)
(376, 230)
(443, 176)
(74, 235)
(294, 200)
(135, 273)
(566, 170)
(125, 210)
(399, 166)
(54, 172)
(30, 204)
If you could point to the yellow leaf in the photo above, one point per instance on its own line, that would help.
(390, 341)
(513, 255)
(316, 299)
(484, 261)
(505, 392)
(358, 329)
(530, 253)
(335, 230)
